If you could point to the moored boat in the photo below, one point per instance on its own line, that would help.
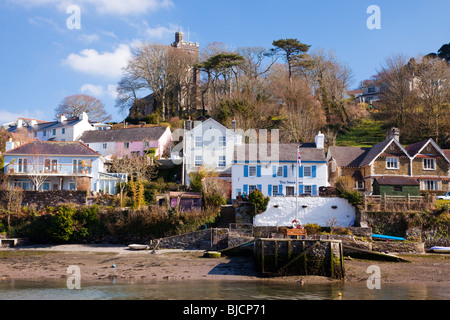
(137, 246)
(440, 249)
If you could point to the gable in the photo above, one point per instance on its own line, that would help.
(426, 148)
(385, 148)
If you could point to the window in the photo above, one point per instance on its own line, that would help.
(428, 164)
(430, 185)
(23, 165)
(307, 189)
(251, 188)
(391, 163)
(275, 190)
(63, 130)
(359, 184)
(222, 141)
(222, 161)
(252, 171)
(398, 188)
(199, 141)
(46, 185)
(77, 165)
(44, 133)
(126, 145)
(198, 161)
(280, 171)
(54, 132)
(105, 145)
(146, 144)
(307, 171)
(72, 185)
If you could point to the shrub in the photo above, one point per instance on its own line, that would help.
(258, 201)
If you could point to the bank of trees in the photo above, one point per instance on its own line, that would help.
(286, 86)
(415, 97)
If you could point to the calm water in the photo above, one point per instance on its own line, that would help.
(215, 290)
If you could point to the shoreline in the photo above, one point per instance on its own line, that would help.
(106, 262)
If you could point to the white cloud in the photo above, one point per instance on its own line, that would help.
(160, 32)
(99, 91)
(88, 38)
(8, 116)
(114, 7)
(93, 90)
(106, 64)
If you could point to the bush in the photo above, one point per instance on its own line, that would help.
(258, 201)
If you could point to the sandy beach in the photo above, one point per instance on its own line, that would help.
(99, 262)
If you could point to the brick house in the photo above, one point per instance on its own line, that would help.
(423, 161)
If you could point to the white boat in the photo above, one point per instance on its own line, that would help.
(440, 249)
(137, 246)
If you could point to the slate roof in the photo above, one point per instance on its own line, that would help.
(54, 148)
(397, 181)
(287, 152)
(414, 148)
(124, 135)
(348, 156)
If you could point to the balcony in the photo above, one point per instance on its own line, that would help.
(53, 169)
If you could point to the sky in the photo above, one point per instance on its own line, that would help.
(51, 49)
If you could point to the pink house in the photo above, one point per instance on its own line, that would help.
(126, 142)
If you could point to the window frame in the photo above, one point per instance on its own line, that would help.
(390, 161)
(426, 166)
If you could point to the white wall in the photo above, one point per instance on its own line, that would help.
(318, 210)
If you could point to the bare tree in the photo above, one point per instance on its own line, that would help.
(75, 105)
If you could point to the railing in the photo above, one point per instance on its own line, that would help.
(394, 203)
(48, 169)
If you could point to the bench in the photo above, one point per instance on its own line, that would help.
(296, 233)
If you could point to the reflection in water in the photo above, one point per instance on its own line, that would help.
(216, 290)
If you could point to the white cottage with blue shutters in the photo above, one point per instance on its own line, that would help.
(273, 169)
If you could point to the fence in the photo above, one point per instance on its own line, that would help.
(396, 203)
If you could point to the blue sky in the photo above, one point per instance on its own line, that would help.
(42, 60)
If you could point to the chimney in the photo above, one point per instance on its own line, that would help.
(19, 123)
(9, 145)
(62, 118)
(320, 140)
(233, 124)
(189, 124)
(393, 133)
(83, 116)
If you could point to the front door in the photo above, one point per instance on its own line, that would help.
(290, 191)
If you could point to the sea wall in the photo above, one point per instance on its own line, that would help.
(207, 239)
(43, 199)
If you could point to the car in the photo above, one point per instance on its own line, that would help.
(445, 196)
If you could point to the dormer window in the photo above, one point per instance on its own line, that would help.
(391, 163)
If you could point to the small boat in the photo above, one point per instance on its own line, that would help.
(137, 246)
(440, 249)
(384, 237)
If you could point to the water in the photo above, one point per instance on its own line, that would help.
(215, 290)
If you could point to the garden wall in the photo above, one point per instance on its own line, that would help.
(42, 199)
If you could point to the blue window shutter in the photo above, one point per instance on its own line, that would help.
(314, 190)
(245, 171)
(280, 189)
(274, 171)
(300, 189)
(246, 189)
(259, 187)
(313, 171)
(269, 187)
(300, 172)
(285, 171)
(258, 171)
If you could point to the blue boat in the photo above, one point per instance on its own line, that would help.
(384, 237)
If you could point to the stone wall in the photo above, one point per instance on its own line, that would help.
(42, 199)
(299, 257)
(207, 239)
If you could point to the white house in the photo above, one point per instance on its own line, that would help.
(56, 165)
(208, 144)
(273, 169)
(130, 141)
